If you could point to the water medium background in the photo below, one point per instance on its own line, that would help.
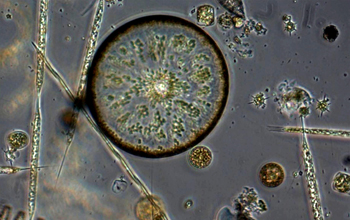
(240, 142)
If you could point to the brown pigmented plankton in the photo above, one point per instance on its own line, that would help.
(271, 174)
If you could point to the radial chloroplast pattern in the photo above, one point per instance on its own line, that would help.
(157, 86)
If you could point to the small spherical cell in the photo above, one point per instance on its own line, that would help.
(271, 174)
(188, 204)
(200, 157)
(341, 182)
(146, 211)
(18, 139)
(330, 33)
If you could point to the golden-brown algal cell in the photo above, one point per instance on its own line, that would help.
(200, 157)
(157, 86)
(341, 182)
(18, 139)
(271, 174)
(146, 211)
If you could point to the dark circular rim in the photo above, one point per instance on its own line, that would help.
(91, 96)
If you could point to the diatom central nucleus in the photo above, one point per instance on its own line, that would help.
(157, 86)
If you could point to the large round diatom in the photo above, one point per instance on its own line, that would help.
(157, 86)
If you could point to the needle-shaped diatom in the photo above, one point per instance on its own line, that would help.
(91, 46)
(312, 184)
(37, 121)
(313, 131)
(13, 170)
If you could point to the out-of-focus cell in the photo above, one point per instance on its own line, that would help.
(200, 157)
(259, 100)
(146, 211)
(323, 105)
(304, 111)
(238, 21)
(225, 21)
(5, 212)
(289, 25)
(205, 15)
(188, 204)
(233, 6)
(330, 33)
(119, 185)
(20, 216)
(291, 98)
(18, 139)
(271, 174)
(341, 182)
(151, 87)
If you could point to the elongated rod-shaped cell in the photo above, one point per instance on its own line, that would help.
(37, 121)
(313, 189)
(314, 131)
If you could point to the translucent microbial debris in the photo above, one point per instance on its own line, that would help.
(289, 25)
(271, 174)
(248, 203)
(330, 33)
(323, 105)
(146, 211)
(119, 185)
(158, 86)
(200, 157)
(341, 182)
(259, 100)
(188, 204)
(235, 7)
(291, 98)
(244, 206)
(225, 21)
(205, 15)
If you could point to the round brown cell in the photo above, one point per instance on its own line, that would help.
(271, 174)
(200, 157)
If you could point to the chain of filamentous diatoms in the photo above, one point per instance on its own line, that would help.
(34, 161)
(111, 147)
(91, 47)
(318, 131)
(315, 198)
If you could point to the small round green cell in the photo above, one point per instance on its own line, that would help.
(17, 139)
(271, 174)
(200, 157)
(157, 86)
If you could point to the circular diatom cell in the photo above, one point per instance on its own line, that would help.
(17, 139)
(146, 211)
(200, 157)
(157, 86)
(271, 174)
(330, 33)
